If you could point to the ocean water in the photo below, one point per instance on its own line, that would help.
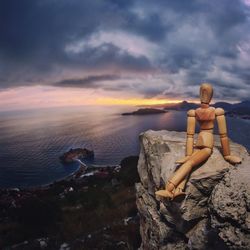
(32, 141)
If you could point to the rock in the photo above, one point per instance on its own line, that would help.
(128, 174)
(14, 189)
(65, 246)
(127, 220)
(210, 195)
(43, 242)
(152, 229)
(121, 243)
(230, 207)
(114, 182)
(198, 235)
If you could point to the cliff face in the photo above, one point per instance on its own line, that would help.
(215, 214)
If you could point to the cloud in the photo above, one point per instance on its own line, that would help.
(163, 48)
(106, 56)
(87, 82)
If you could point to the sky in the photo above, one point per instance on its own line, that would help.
(129, 52)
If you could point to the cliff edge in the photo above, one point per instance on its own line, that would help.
(215, 214)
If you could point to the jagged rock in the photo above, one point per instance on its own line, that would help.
(230, 207)
(151, 225)
(186, 223)
(198, 235)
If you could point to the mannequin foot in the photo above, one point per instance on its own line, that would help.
(165, 193)
(233, 159)
(179, 192)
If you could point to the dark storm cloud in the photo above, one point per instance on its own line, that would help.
(35, 34)
(152, 27)
(193, 41)
(106, 55)
(87, 82)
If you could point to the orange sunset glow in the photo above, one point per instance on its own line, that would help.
(43, 97)
(134, 102)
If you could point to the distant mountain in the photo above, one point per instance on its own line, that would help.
(184, 106)
(245, 104)
(241, 109)
(146, 111)
(224, 105)
(190, 105)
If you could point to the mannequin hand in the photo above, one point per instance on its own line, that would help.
(232, 159)
(182, 160)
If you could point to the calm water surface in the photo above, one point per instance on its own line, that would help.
(32, 141)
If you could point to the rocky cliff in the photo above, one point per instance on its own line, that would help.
(215, 214)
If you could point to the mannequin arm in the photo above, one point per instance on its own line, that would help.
(222, 126)
(190, 136)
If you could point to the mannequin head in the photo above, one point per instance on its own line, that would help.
(206, 93)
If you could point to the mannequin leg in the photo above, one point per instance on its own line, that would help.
(181, 187)
(179, 176)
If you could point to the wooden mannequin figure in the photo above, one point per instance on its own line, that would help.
(195, 155)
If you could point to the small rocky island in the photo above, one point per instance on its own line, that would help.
(146, 111)
(77, 153)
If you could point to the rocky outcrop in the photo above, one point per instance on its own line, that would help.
(76, 153)
(146, 111)
(230, 207)
(214, 214)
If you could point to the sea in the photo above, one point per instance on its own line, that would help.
(32, 141)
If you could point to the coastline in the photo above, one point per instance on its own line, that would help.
(82, 167)
(86, 205)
